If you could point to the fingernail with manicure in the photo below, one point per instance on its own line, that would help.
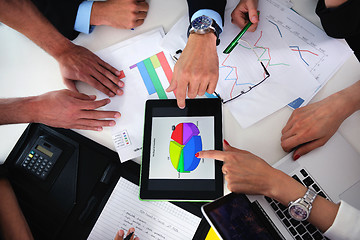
(296, 157)
(197, 155)
(226, 142)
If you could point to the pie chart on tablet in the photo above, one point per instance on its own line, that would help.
(185, 142)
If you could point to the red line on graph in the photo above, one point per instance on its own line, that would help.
(304, 51)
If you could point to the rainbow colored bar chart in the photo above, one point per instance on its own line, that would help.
(147, 69)
(186, 144)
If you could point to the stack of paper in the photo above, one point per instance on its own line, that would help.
(299, 56)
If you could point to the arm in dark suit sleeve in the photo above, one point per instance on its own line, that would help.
(216, 5)
(342, 22)
(61, 13)
(3, 171)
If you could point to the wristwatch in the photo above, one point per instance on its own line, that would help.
(203, 25)
(300, 208)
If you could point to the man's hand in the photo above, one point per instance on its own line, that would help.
(121, 234)
(239, 15)
(124, 14)
(67, 109)
(78, 63)
(197, 70)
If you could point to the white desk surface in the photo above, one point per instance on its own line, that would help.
(27, 70)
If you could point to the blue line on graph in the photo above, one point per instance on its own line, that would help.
(299, 53)
(276, 27)
(235, 79)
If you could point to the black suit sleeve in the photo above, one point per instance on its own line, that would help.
(61, 13)
(3, 171)
(216, 5)
(342, 22)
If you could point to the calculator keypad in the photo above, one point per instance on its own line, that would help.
(38, 165)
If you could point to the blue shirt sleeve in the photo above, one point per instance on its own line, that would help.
(82, 21)
(210, 13)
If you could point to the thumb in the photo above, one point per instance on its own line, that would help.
(228, 147)
(70, 84)
(83, 96)
(307, 147)
(172, 86)
(253, 15)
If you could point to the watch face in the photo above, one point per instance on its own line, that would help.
(202, 22)
(298, 212)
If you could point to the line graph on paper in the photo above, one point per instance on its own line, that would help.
(309, 52)
(241, 69)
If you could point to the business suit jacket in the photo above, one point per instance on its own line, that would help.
(216, 5)
(61, 13)
(342, 22)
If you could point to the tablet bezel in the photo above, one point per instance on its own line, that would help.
(194, 108)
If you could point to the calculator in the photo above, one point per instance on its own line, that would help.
(40, 159)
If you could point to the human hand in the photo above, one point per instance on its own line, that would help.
(68, 109)
(78, 63)
(249, 174)
(312, 126)
(244, 172)
(197, 70)
(124, 14)
(239, 15)
(120, 234)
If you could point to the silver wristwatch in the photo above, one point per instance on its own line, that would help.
(300, 208)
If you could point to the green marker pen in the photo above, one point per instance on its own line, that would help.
(235, 42)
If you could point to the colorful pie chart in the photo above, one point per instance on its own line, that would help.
(186, 142)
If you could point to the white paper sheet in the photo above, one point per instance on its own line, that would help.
(128, 132)
(320, 54)
(281, 33)
(151, 220)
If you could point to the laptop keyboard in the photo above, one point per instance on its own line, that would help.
(299, 230)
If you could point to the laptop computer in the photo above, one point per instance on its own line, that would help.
(331, 170)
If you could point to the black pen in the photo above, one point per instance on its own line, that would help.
(129, 236)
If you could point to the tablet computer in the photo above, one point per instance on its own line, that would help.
(235, 217)
(172, 137)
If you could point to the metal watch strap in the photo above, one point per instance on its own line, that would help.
(309, 196)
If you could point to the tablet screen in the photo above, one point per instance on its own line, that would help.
(170, 167)
(234, 217)
(174, 142)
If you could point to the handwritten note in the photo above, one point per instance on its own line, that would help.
(151, 220)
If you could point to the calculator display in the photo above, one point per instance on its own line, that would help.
(44, 150)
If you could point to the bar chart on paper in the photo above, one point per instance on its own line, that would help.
(152, 71)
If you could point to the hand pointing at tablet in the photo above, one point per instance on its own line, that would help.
(249, 174)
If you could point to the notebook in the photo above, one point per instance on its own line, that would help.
(151, 220)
